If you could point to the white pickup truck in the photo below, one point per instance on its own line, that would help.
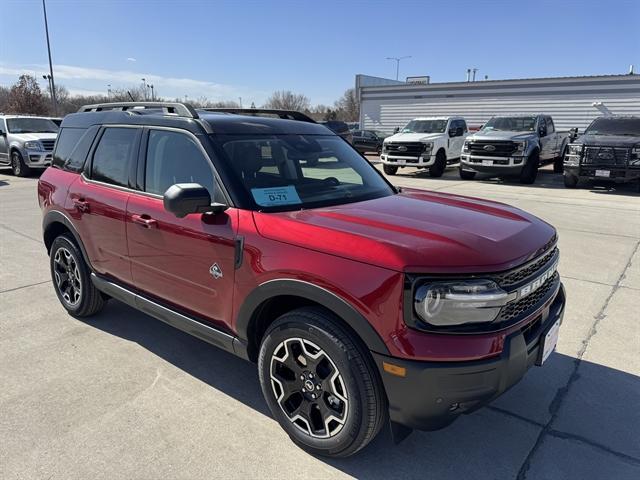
(425, 142)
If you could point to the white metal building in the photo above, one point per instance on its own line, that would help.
(386, 104)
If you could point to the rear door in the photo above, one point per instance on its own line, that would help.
(97, 201)
(554, 138)
(547, 144)
(185, 262)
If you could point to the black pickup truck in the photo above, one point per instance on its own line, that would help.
(608, 150)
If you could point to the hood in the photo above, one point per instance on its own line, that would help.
(28, 137)
(502, 135)
(416, 231)
(609, 140)
(412, 137)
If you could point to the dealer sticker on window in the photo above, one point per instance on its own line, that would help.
(275, 196)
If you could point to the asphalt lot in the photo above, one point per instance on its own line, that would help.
(124, 396)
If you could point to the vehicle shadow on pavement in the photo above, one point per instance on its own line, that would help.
(593, 414)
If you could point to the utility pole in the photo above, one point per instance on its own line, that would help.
(109, 92)
(153, 95)
(144, 88)
(397, 59)
(53, 85)
(48, 79)
(474, 74)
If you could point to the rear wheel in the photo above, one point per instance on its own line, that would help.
(320, 383)
(18, 167)
(466, 174)
(437, 169)
(390, 169)
(71, 279)
(570, 181)
(530, 169)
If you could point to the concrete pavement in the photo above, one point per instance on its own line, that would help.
(124, 396)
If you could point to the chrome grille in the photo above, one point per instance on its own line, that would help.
(409, 149)
(48, 144)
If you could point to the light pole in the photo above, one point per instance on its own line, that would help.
(48, 79)
(144, 88)
(153, 96)
(397, 59)
(109, 92)
(240, 98)
(53, 85)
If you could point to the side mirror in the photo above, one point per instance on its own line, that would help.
(573, 134)
(3, 133)
(542, 131)
(396, 130)
(452, 132)
(182, 199)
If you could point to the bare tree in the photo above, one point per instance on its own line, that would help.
(347, 106)
(4, 98)
(25, 96)
(287, 100)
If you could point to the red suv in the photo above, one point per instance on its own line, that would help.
(362, 304)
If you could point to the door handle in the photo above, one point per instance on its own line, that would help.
(81, 204)
(144, 220)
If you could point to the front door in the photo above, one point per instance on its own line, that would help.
(4, 145)
(547, 144)
(97, 201)
(185, 262)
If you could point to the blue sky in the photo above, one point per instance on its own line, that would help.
(224, 50)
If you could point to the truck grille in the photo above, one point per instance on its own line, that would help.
(606, 156)
(528, 304)
(48, 144)
(492, 148)
(404, 149)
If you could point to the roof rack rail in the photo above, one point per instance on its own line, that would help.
(168, 108)
(284, 114)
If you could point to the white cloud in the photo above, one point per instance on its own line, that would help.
(77, 78)
(131, 59)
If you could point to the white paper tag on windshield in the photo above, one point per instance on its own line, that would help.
(275, 196)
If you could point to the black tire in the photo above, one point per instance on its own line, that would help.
(379, 151)
(437, 169)
(530, 169)
(363, 409)
(85, 300)
(390, 169)
(18, 167)
(466, 175)
(570, 181)
(558, 162)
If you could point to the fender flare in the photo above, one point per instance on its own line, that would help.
(55, 216)
(314, 293)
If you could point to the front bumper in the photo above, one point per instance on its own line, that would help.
(616, 174)
(37, 158)
(494, 165)
(431, 395)
(399, 161)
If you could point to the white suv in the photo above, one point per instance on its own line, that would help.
(425, 142)
(26, 143)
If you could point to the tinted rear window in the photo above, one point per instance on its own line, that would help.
(66, 143)
(113, 155)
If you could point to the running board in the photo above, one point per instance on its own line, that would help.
(177, 320)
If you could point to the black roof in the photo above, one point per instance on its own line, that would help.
(223, 121)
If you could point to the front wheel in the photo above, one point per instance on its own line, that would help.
(530, 169)
(390, 169)
(18, 167)
(570, 181)
(558, 162)
(320, 383)
(466, 174)
(437, 169)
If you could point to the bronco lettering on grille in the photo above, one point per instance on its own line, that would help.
(538, 282)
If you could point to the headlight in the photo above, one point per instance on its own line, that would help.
(636, 151)
(465, 147)
(33, 146)
(427, 146)
(459, 302)
(574, 150)
(520, 148)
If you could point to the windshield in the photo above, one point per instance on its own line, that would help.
(425, 126)
(380, 134)
(31, 125)
(511, 124)
(291, 172)
(614, 126)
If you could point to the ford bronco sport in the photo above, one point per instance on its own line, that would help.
(362, 305)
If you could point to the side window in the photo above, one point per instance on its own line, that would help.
(3, 125)
(68, 138)
(550, 126)
(542, 124)
(463, 124)
(113, 155)
(357, 133)
(174, 157)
